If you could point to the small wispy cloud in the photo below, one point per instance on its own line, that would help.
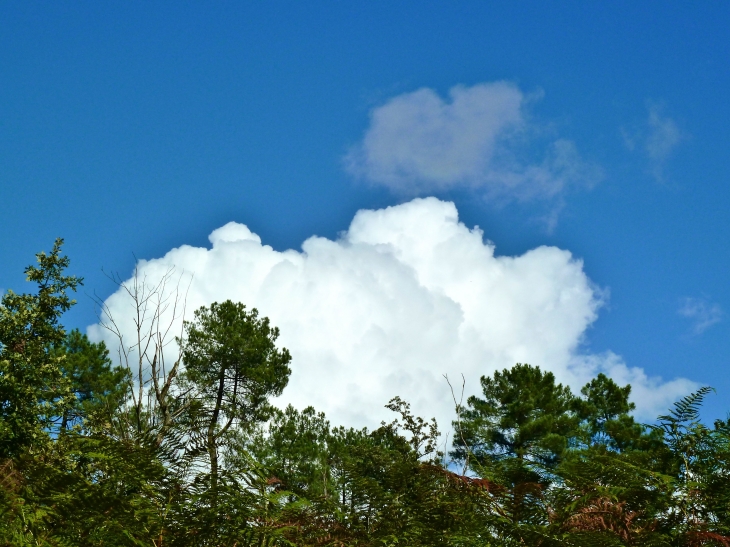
(701, 311)
(657, 140)
(480, 138)
(664, 135)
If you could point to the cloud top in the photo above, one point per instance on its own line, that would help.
(405, 295)
(418, 142)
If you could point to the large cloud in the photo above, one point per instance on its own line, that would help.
(417, 142)
(406, 295)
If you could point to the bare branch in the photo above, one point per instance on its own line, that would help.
(156, 309)
(458, 418)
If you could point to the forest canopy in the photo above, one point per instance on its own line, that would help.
(144, 451)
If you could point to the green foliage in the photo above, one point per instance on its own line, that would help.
(232, 368)
(604, 412)
(296, 449)
(231, 358)
(196, 455)
(33, 389)
(610, 480)
(97, 388)
(700, 458)
(523, 414)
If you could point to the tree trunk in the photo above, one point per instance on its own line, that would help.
(212, 438)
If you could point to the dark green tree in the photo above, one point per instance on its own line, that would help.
(33, 389)
(233, 367)
(347, 486)
(523, 414)
(65, 485)
(295, 450)
(97, 388)
(543, 445)
(202, 458)
(605, 411)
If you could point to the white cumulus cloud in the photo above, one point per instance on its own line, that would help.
(418, 142)
(405, 295)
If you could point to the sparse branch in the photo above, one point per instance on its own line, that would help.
(156, 310)
(458, 406)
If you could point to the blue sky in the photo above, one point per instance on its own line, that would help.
(131, 129)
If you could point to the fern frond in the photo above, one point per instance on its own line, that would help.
(687, 409)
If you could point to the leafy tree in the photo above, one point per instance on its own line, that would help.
(90, 455)
(33, 389)
(355, 487)
(96, 386)
(551, 452)
(608, 497)
(59, 486)
(605, 415)
(523, 414)
(699, 510)
(86, 490)
(233, 366)
(295, 449)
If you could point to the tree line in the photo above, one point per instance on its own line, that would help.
(141, 450)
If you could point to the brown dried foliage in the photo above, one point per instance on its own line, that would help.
(10, 479)
(605, 515)
(697, 539)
